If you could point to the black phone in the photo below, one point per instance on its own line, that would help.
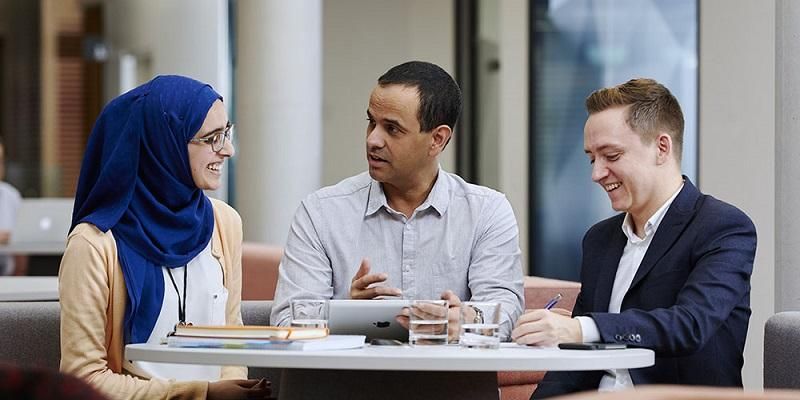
(592, 346)
(385, 342)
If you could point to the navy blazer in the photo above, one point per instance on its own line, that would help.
(689, 300)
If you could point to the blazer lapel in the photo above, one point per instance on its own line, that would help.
(675, 221)
(607, 271)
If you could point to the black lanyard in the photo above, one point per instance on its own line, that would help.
(181, 306)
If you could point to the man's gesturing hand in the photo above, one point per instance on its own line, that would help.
(361, 287)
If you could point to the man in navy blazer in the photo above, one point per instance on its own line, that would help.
(671, 273)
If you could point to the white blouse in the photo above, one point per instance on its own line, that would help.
(205, 305)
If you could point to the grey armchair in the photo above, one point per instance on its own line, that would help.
(782, 351)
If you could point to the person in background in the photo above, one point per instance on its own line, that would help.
(670, 273)
(10, 200)
(406, 228)
(36, 383)
(147, 249)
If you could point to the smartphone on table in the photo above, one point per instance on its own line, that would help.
(592, 346)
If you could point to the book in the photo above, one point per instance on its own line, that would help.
(249, 332)
(331, 342)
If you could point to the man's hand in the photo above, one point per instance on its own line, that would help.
(453, 315)
(361, 286)
(546, 328)
(239, 389)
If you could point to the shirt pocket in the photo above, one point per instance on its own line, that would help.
(218, 307)
(450, 273)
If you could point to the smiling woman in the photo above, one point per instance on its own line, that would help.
(147, 249)
(210, 147)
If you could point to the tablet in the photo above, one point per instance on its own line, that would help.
(373, 318)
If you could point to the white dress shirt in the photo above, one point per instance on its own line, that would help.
(632, 255)
(463, 237)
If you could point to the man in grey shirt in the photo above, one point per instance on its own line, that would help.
(406, 228)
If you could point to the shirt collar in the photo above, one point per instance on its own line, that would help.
(438, 198)
(652, 223)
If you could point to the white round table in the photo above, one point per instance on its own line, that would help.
(398, 372)
(510, 357)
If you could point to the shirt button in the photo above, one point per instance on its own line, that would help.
(618, 337)
(638, 338)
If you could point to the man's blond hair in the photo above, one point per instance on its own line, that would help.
(651, 109)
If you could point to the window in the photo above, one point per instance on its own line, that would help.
(577, 47)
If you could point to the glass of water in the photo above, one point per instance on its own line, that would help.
(309, 313)
(428, 322)
(480, 325)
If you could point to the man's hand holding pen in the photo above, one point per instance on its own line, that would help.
(547, 326)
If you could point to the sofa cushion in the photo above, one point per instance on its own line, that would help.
(781, 351)
(31, 332)
(260, 270)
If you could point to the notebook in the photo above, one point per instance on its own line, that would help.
(44, 220)
(249, 332)
(373, 318)
(332, 342)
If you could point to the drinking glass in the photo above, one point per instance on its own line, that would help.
(428, 322)
(309, 313)
(480, 325)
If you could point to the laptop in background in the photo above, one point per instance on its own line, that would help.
(373, 318)
(42, 220)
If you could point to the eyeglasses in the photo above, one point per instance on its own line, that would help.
(217, 140)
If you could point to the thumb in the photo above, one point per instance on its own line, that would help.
(451, 298)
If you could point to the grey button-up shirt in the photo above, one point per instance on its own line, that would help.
(463, 238)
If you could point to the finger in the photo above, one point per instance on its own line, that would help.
(454, 323)
(529, 328)
(451, 298)
(529, 339)
(429, 311)
(363, 270)
(374, 292)
(245, 383)
(402, 320)
(531, 316)
(561, 311)
(520, 331)
(260, 390)
(367, 280)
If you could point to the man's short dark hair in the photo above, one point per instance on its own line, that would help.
(439, 95)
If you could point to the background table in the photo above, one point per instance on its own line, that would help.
(425, 372)
(28, 288)
(35, 248)
(41, 258)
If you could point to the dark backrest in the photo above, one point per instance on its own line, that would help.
(782, 351)
(256, 312)
(30, 333)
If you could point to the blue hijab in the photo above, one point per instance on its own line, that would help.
(136, 180)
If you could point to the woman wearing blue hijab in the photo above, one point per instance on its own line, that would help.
(147, 248)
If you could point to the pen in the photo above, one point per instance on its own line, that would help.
(550, 304)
